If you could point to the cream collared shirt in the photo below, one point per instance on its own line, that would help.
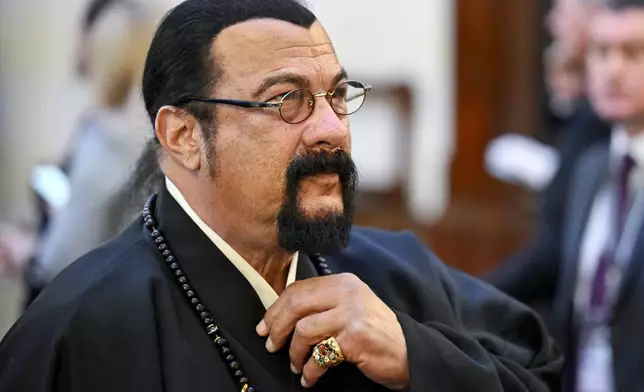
(264, 290)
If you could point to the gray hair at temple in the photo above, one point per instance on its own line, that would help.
(180, 63)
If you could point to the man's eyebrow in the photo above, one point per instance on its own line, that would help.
(279, 79)
(339, 77)
(293, 79)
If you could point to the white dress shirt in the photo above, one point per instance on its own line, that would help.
(594, 373)
(264, 290)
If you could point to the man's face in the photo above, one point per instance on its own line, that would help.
(615, 64)
(297, 176)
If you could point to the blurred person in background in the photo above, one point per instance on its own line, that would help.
(113, 41)
(590, 272)
(576, 129)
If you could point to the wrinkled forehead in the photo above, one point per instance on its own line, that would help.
(250, 51)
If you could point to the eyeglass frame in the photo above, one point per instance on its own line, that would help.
(276, 105)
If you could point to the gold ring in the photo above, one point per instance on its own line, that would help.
(327, 353)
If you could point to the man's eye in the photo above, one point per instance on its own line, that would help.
(341, 92)
(278, 97)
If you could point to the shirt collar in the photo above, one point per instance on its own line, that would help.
(623, 144)
(264, 290)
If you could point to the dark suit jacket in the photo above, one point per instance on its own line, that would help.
(116, 321)
(531, 274)
(558, 268)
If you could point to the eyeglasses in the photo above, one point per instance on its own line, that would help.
(297, 105)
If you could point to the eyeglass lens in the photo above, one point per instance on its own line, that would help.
(346, 99)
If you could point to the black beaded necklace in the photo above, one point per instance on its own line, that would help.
(202, 313)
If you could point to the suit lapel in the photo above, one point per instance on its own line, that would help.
(633, 269)
(591, 172)
(234, 304)
(237, 309)
(587, 181)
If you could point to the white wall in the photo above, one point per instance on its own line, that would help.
(411, 42)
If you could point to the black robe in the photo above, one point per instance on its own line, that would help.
(116, 320)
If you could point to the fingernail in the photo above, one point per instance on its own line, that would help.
(261, 328)
(294, 369)
(270, 347)
(303, 382)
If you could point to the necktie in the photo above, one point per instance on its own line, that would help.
(598, 297)
(594, 364)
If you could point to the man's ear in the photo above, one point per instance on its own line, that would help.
(180, 136)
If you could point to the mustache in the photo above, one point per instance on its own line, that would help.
(313, 163)
(319, 234)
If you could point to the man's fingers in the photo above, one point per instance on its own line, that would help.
(299, 300)
(312, 373)
(310, 331)
(285, 323)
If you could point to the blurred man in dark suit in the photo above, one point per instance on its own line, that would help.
(587, 260)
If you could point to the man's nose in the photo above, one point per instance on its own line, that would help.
(326, 128)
